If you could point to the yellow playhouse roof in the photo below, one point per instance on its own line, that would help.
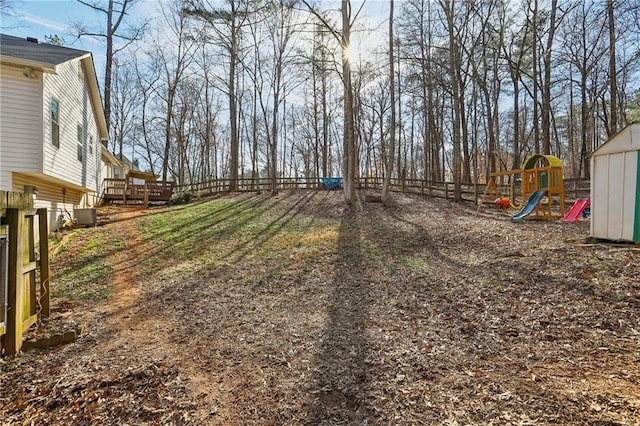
(552, 160)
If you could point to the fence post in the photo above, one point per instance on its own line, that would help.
(15, 291)
(146, 194)
(43, 228)
(446, 191)
(475, 193)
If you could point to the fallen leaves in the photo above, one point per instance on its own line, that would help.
(423, 313)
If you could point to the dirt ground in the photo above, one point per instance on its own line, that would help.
(422, 313)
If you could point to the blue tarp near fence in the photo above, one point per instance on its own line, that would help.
(331, 183)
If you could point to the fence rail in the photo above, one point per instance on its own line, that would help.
(574, 188)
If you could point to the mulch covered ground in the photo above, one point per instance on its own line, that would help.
(306, 313)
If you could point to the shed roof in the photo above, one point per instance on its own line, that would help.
(627, 139)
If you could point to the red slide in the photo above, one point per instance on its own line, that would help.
(574, 212)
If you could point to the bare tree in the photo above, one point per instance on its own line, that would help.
(208, 107)
(281, 29)
(546, 83)
(515, 49)
(448, 7)
(349, 143)
(7, 7)
(613, 72)
(145, 86)
(349, 159)
(114, 31)
(392, 125)
(172, 55)
(124, 105)
(227, 24)
(585, 48)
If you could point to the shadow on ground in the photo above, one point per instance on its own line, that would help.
(341, 368)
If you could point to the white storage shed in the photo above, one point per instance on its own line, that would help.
(615, 187)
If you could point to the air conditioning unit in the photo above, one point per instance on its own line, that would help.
(85, 217)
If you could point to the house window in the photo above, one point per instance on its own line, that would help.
(55, 122)
(80, 137)
(90, 144)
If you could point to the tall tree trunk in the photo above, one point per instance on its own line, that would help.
(126, 37)
(349, 151)
(108, 66)
(254, 125)
(454, 67)
(546, 87)
(167, 134)
(536, 114)
(516, 122)
(274, 132)
(392, 125)
(233, 108)
(613, 73)
(584, 123)
(316, 121)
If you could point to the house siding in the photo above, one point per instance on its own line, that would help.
(70, 88)
(51, 196)
(21, 129)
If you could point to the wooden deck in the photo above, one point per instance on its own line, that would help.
(125, 192)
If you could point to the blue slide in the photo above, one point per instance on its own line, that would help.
(529, 206)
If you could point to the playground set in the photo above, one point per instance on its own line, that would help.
(541, 190)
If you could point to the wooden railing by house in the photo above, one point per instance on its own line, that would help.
(24, 268)
(123, 191)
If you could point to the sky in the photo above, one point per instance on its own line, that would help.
(40, 18)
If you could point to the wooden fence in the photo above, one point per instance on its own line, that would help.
(24, 268)
(574, 188)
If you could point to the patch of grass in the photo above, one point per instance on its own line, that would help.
(250, 230)
(90, 282)
(197, 227)
(86, 271)
(54, 239)
(414, 263)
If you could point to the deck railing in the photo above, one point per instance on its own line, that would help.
(123, 190)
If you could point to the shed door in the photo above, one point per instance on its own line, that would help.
(613, 195)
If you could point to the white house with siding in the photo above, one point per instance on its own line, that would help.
(52, 125)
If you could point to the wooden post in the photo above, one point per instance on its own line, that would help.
(146, 194)
(3, 279)
(446, 191)
(15, 294)
(43, 227)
